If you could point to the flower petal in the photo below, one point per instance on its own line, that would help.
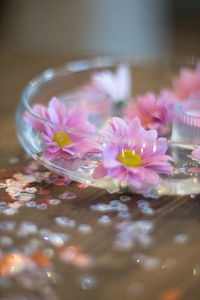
(99, 172)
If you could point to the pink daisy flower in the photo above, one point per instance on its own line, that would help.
(196, 152)
(166, 101)
(63, 143)
(153, 113)
(187, 85)
(133, 155)
(117, 86)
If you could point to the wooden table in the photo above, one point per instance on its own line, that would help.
(171, 270)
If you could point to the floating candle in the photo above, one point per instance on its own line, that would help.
(186, 124)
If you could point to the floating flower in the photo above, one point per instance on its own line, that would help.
(64, 142)
(154, 113)
(187, 85)
(117, 86)
(196, 152)
(133, 154)
(31, 120)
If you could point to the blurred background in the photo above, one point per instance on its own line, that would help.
(82, 28)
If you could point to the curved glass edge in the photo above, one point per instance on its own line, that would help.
(93, 63)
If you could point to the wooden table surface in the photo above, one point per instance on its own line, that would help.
(170, 269)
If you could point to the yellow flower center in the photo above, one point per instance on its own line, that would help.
(129, 158)
(62, 139)
(148, 121)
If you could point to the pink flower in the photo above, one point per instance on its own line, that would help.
(196, 152)
(117, 86)
(166, 101)
(153, 113)
(133, 155)
(187, 85)
(61, 138)
(31, 120)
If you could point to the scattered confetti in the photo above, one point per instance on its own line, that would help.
(54, 201)
(25, 197)
(147, 211)
(61, 181)
(33, 263)
(67, 195)
(124, 214)
(104, 220)
(26, 228)
(57, 239)
(25, 179)
(11, 264)
(42, 206)
(10, 211)
(31, 204)
(113, 206)
(41, 259)
(125, 198)
(2, 185)
(131, 232)
(7, 225)
(82, 185)
(151, 195)
(43, 192)
(142, 204)
(73, 254)
(84, 228)
(65, 222)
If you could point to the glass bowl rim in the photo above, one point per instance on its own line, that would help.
(93, 63)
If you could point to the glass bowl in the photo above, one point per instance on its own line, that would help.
(64, 84)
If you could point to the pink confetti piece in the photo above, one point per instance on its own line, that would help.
(82, 185)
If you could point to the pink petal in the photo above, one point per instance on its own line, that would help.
(57, 111)
(85, 146)
(119, 127)
(99, 172)
(48, 155)
(119, 173)
(135, 129)
(144, 175)
(123, 76)
(110, 155)
(48, 139)
(31, 120)
(196, 153)
(77, 119)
